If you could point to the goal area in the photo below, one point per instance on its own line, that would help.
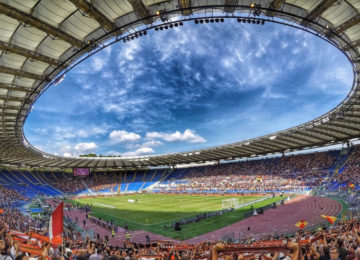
(230, 203)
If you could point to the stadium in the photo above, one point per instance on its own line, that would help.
(289, 194)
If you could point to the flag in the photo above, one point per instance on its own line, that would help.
(23, 238)
(56, 224)
(26, 248)
(331, 219)
(259, 179)
(39, 237)
(301, 224)
(1, 211)
(351, 185)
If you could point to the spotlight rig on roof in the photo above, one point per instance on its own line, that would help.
(209, 20)
(168, 26)
(250, 20)
(134, 36)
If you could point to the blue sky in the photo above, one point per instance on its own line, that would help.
(189, 88)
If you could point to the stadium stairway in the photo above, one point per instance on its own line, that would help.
(87, 189)
(278, 221)
(37, 176)
(344, 156)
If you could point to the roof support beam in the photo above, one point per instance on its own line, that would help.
(158, 161)
(20, 73)
(230, 6)
(275, 144)
(29, 54)
(15, 87)
(7, 106)
(354, 116)
(343, 130)
(311, 136)
(247, 149)
(266, 148)
(353, 45)
(185, 4)
(322, 131)
(291, 140)
(318, 10)
(349, 23)
(7, 98)
(285, 143)
(30, 161)
(347, 124)
(94, 13)
(8, 114)
(275, 5)
(141, 10)
(204, 157)
(26, 19)
(223, 153)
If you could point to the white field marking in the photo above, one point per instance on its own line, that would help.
(108, 206)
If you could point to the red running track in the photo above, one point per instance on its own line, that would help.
(278, 221)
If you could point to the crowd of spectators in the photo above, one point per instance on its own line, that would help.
(9, 196)
(280, 174)
(73, 184)
(287, 173)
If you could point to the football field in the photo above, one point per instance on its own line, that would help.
(155, 212)
(154, 209)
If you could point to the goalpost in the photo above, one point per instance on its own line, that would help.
(230, 203)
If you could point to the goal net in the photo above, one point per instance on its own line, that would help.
(230, 203)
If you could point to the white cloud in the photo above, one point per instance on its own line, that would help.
(122, 136)
(188, 136)
(85, 147)
(98, 63)
(66, 154)
(269, 93)
(139, 152)
(113, 153)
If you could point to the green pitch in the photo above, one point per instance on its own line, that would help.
(153, 212)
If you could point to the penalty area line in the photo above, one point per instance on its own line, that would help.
(108, 206)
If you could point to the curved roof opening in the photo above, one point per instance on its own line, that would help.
(188, 88)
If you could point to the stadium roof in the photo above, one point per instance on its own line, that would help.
(41, 39)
